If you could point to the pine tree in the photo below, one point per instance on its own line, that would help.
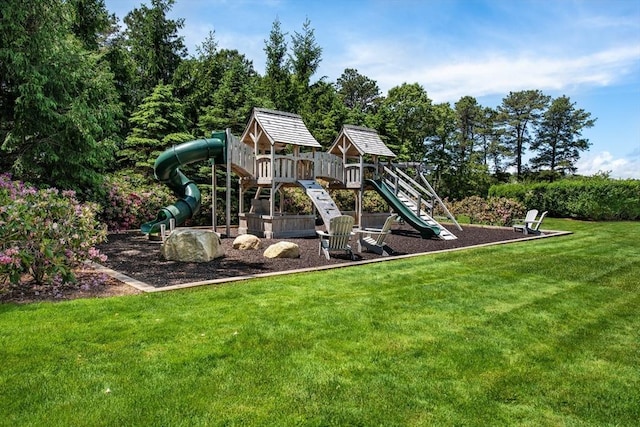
(59, 108)
(157, 124)
(518, 115)
(558, 139)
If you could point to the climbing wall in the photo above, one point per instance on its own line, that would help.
(321, 199)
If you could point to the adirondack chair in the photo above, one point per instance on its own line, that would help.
(528, 219)
(534, 226)
(337, 239)
(372, 239)
(531, 225)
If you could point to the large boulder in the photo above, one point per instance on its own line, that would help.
(246, 242)
(282, 250)
(191, 245)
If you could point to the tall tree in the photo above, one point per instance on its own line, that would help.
(410, 110)
(154, 42)
(58, 105)
(359, 93)
(157, 124)
(197, 79)
(125, 78)
(439, 148)
(468, 116)
(558, 140)
(323, 112)
(277, 78)
(492, 150)
(91, 22)
(235, 96)
(306, 55)
(518, 115)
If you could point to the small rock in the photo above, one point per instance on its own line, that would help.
(246, 242)
(282, 250)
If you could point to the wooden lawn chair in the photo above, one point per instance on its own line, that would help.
(372, 239)
(340, 230)
(528, 219)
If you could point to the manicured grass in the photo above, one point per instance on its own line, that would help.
(532, 333)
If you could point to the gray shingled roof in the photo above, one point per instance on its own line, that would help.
(364, 140)
(280, 128)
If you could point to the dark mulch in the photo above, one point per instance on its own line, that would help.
(135, 256)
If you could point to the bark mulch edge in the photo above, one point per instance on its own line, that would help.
(144, 287)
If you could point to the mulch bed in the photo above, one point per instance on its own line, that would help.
(135, 256)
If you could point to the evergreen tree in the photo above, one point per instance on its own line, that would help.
(518, 115)
(558, 139)
(154, 43)
(468, 116)
(158, 123)
(439, 149)
(235, 96)
(323, 112)
(359, 93)
(276, 83)
(91, 22)
(306, 55)
(58, 104)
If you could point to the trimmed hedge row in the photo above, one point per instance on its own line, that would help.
(595, 199)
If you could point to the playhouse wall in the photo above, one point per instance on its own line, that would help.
(277, 226)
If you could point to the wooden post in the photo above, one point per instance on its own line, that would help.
(272, 200)
(213, 195)
(228, 194)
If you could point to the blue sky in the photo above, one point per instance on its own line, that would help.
(588, 50)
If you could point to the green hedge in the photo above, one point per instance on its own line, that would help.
(588, 198)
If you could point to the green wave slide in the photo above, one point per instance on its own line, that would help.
(166, 170)
(426, 230)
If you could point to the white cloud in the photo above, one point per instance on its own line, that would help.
(605, 162)
(450, 78)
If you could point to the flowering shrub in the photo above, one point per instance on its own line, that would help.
(129, 202)
(45, 233)
(493, 211)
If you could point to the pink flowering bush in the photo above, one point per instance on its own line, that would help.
(491, 211)
(44, 234)
(129, 201)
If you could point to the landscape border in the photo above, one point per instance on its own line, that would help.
(145, 287)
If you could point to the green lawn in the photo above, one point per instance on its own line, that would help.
(534, 333)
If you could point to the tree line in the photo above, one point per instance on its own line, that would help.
(82, 96)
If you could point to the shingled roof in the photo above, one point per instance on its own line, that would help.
(278, 128)
(360, 141)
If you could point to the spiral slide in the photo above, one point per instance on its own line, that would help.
(425, 229)
(166, 171)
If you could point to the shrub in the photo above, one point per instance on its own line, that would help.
(595, 198)
(130, 200)
(295, 201)
(491, 211)
(45, 233)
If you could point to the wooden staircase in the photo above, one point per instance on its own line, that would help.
(419, 199)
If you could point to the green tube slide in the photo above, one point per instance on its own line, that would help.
(426, 230)
(166, 171)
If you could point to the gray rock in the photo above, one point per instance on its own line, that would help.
(190, 245)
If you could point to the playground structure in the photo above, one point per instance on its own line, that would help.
(275, 151)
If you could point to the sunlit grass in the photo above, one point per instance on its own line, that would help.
(532, 333)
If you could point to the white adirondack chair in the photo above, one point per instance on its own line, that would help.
(530, 225)
(372, 239)
(337, 239)
(534, 226)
